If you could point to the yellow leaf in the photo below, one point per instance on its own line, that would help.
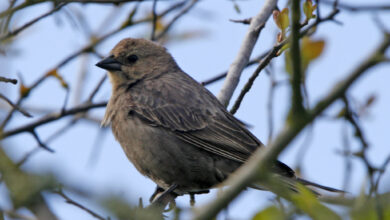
(281, 19)
(160, 26)
(54, 73)
(311, 49)
(271, 212)
(24, 90)
(308, 9)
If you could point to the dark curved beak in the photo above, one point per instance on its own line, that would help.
(110, 64)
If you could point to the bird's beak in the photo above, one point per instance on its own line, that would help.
(110, 64)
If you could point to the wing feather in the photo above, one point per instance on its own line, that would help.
(196, 117)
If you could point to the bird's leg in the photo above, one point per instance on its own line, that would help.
(192, 196)
(156, 192)
(192, 199)
(166, 197)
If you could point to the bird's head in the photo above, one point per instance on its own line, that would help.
(134, 59)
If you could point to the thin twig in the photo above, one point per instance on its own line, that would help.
(28, 24)
(263, 63)
(260, 161)
(176, 18)
(56, 134)
(34, 2)
(246, 48)
(154, 21)
(96, 89)
(257, 59)
(382, 170)
(87, 49)
(272, 53)
(359, 8)
(347, 154)
(223, 74)
(243, 21)
(50, 118)
(270, 106)
(7, 80)
(40, 143)
(77, 204)
(24, 112)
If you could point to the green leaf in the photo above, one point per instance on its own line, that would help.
(283, 19)
(271, 212)
(306, 201)
(308, 9)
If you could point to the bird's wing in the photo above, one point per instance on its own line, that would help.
(197, 118)
(219, 134)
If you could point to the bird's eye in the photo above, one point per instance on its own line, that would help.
(132, 58)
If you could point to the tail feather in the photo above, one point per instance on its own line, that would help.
(291, 184)
(308, 183)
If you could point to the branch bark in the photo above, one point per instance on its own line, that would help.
(235, 70)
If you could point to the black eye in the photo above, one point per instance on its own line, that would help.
(132, 58)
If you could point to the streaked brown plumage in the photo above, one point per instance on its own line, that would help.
(171, 128)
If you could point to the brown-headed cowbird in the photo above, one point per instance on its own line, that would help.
(171, 128)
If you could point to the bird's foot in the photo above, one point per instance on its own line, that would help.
(157, 191)
(162, 198)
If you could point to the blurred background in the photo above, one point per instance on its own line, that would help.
(204, 42)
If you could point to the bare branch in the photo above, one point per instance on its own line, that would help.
(28, 24)
(263, 157)
(243, 56)
(90, 48)
(34, 2)
(7, 80)
(51, 117)
(257, 59)
(96, 89)
(73, 202)
(181, 13)
(243, 21)
(40, 143)
(360, 8)
(263, 63)
(154, 22)
(24, 112)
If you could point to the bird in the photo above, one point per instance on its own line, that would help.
(172, 128)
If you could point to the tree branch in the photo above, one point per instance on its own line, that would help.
(360, 8)
(24, 112)
(7, 80)
(243, 56)
(73, 202)
(28, 24)
(297, 108)
(51, 117)
(259, 162)
(265, 59)
(90, 48)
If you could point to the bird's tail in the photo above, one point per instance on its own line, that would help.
(291, 182)
(308, 183)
